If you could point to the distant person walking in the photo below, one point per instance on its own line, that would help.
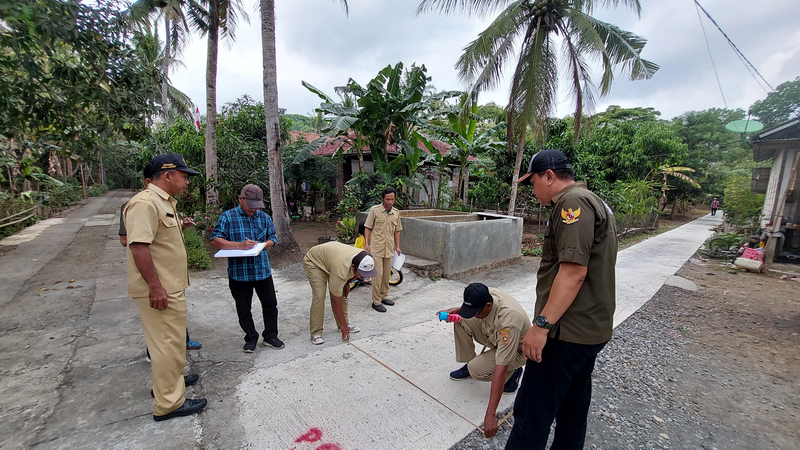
(714, 206)
(158, 275)
(242, 228)
(382, 236)
(575, 302)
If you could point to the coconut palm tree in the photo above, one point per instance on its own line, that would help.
(222, 17)
(150, 55)
(539, 26)
(181, 17)
(277, 188)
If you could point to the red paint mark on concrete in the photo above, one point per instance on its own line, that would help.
(313, 435)
(329, 446)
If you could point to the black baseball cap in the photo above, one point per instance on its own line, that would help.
(172, 161)
(476, 296)
(546, 159)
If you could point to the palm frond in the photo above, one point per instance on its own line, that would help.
(619, 48)
(581, 86)
(590, 5)
(534, 88)
(481, 64)
(476, 7)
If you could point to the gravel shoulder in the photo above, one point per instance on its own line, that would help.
(712, 369)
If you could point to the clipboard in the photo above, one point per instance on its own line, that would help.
(241, 253)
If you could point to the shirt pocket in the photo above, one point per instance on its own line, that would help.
(548, 252)
(167, 232)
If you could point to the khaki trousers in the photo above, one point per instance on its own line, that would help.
(480, 367)
(380, 284)
(165, 334)
(319, 288)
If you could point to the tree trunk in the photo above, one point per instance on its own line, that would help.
(517, 164)
(465, 181)
(212, 193)
(288, 248)
(164, 83)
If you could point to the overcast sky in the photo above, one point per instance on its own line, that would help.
(317, 43)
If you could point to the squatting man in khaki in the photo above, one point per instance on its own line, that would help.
(331, 267)
(158, 275)
(495, 320)
(382, 239)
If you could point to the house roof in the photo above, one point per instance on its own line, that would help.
(334, 143)
(783, 135)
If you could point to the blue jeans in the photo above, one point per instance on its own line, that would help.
(560, 388)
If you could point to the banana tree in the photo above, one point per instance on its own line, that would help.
(461, 133)
(342, 126)
(673, 171)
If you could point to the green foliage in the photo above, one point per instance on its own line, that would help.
(206, 220)
(741, 206)
(635, 197)
(199, 259)
(351, 201)
(779, 106)
(346, 228)
(97, 190)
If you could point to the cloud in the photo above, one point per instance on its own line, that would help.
(317, 43)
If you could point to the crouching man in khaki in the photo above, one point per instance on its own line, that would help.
(158, 275)
(495, 320)
(331, 267)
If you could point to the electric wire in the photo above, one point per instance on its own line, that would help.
(736, 49)
(700, 18)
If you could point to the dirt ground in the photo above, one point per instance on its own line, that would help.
(717, 368)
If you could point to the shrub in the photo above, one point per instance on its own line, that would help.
(199, 259)
(97, 190)
(740, 205)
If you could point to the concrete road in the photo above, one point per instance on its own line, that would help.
(73, 372)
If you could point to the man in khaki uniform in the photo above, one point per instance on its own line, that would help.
(495, 320)
(158, 275)
(331, 266)
(382, 236)
(575, 302)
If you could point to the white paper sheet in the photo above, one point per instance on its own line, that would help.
(240, 253)
(398, 260)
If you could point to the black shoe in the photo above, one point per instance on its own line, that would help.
(379, 308)
(249, 347)
(460, 374)
(387, 302)
(274, 343)
(513, 383)
(188, 380)
(191, 379)
(190, 406)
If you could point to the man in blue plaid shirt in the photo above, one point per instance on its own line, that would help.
(242, 228)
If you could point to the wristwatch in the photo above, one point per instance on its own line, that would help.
(541, 322)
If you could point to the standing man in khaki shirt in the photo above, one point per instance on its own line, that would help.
(382, 236)
(158, 275)
(575, 302)
(495, 320)
(331, 267)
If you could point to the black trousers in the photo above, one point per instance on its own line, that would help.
(560, 388)
(242, 292)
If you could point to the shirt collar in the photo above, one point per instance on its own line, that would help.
(161, 193)
(575, 185)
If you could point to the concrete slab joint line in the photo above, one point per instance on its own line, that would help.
(412, 384)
